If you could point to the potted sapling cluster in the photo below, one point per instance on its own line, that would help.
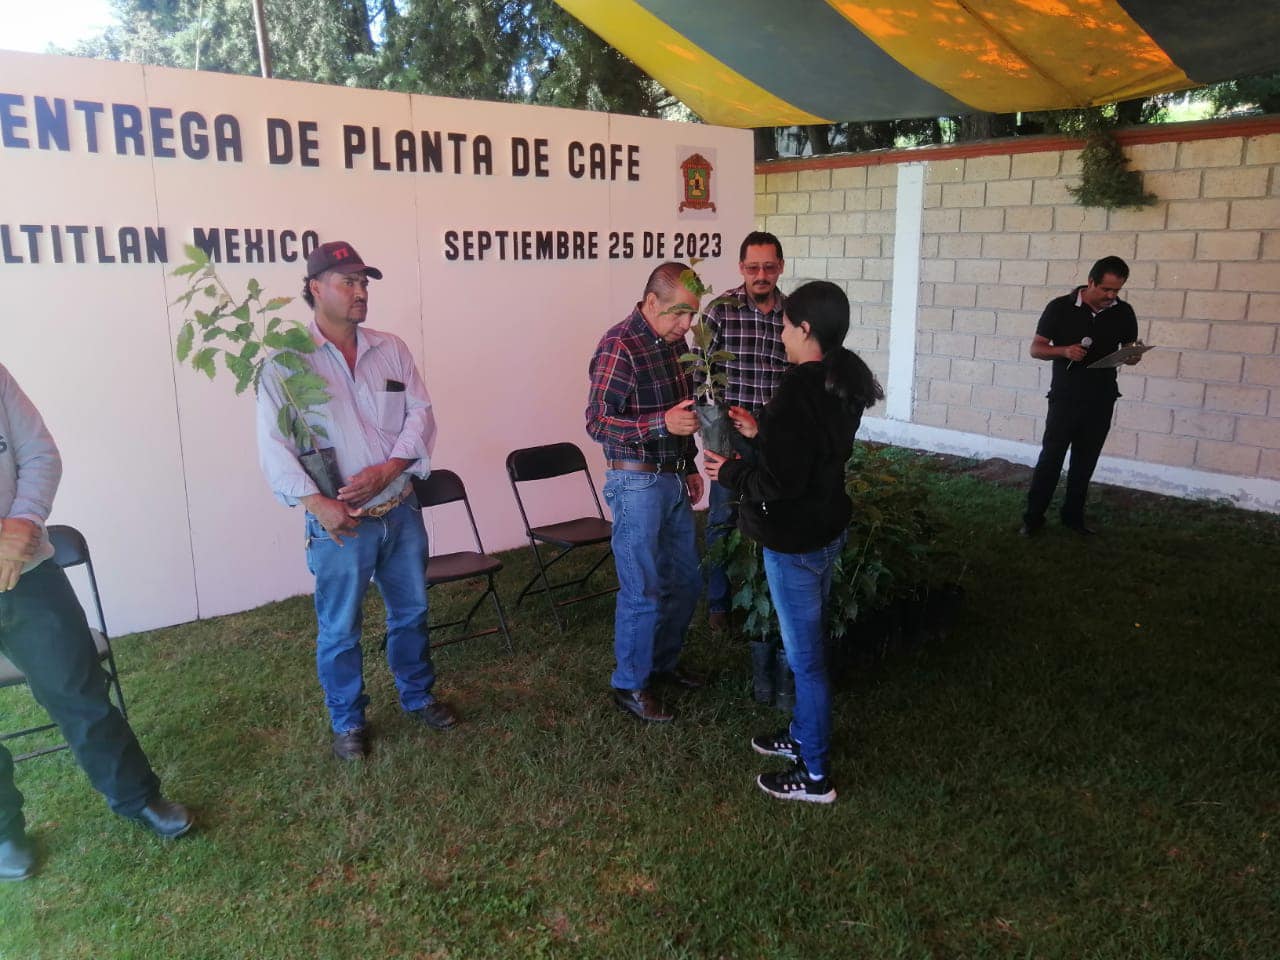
(709, 376)
(249, 334)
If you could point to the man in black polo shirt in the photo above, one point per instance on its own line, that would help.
(1075, 330)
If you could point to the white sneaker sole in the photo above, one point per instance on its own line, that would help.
(828, 797)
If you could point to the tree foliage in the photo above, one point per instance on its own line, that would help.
(525, 51)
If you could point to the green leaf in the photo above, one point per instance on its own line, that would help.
(185, 269)
(185, 338)
(255, 289)
(291, 361)
(275, 303)
(204, 319)
(241, 369)
(204, 360)
(690, 358)
(250, 350)
(195, 254)
(241, 312)
(211, 334)
(299, 338)
(284, 420)
(243, 331)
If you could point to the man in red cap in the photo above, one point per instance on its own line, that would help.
(382, 429)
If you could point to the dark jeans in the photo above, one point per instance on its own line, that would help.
(1080, 423)
(43, 631)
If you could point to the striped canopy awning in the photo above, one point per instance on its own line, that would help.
(757, 63)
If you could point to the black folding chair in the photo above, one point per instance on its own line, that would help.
(444, 487)
(69, 550)
(542, 463)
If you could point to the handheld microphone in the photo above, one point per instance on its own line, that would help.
(1087, 342)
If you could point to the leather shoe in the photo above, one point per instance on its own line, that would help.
(166, 818)
(17, 858)
(641, 704)
(352, 745)
(680, 677)
(1029, 530)
(436, 715)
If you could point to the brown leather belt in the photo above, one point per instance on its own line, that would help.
(635, 466)
(382, 509)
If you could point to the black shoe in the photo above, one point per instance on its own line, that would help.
(165, 818)
(436, 715)
(777, 744)
(679, 677)
(1081, 529)
(17, 858)
(1029, 530)
(352, 745)
(641, 704)
(795, 784)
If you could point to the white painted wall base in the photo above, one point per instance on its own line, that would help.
(1251, 493)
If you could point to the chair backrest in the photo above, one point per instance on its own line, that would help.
(70, 549)
(442, 487)
(541, 463)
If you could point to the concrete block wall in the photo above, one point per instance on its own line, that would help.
(1000, 235)
(838, 225)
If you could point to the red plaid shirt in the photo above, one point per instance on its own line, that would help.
(636, 377)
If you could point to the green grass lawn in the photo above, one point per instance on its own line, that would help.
(1086, 768)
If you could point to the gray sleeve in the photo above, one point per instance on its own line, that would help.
(31, 463)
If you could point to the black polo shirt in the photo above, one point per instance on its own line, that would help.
(1068, 320)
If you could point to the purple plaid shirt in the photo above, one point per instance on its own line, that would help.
(636, 377)
(755, 340)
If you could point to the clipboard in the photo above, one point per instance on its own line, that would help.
(1123, 355)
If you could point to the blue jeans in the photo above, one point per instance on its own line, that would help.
(391, 551)
(43, 631)
(722, 516)
(655, 553)
(799, 584)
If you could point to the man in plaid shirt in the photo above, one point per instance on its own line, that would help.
(640, 408)
(748, 324)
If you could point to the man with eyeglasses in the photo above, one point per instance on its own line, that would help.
(748, 324)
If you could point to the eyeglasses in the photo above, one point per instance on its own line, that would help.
(768, 269)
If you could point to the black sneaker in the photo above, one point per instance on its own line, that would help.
(777, 744)
(794, 784)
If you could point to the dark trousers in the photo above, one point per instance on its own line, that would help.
(44, 632)
(1080, 423)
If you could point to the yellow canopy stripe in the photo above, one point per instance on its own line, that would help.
(1007, 55)
(709, 88)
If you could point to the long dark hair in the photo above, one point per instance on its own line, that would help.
(824, 306)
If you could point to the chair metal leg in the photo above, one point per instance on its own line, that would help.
(502, 619)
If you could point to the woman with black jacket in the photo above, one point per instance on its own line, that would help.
(793, 502)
